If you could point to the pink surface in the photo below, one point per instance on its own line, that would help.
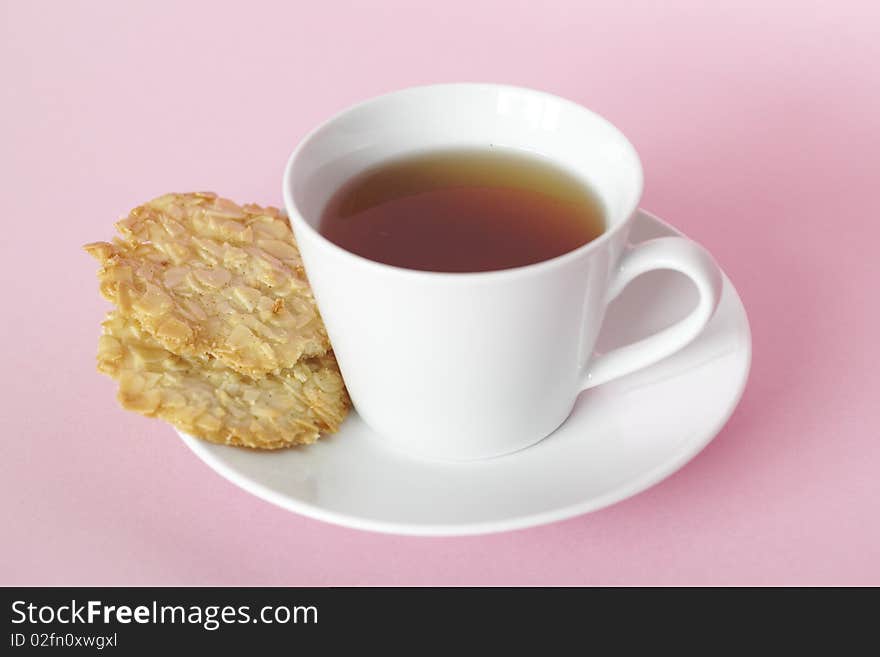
(759, 127)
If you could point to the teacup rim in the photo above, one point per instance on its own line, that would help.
(295, 215)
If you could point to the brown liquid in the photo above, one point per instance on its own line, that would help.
(463, 211)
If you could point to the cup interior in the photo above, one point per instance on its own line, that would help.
(452, 116)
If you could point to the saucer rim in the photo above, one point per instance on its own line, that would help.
(637, 485)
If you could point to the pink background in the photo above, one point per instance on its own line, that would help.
(759, 127)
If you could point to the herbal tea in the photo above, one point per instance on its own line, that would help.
(463, 211)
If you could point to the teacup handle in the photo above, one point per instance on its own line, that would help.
(675, 253)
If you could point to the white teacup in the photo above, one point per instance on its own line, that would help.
(473, 365)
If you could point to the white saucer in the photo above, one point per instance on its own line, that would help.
(620, 439)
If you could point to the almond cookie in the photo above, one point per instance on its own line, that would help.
(209, 278)
(206, 399)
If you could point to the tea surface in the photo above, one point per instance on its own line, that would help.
(463, 211)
